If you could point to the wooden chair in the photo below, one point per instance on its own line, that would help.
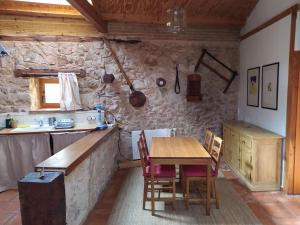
(165, 177)
(208, 140)
(143, 138)
(198, 172)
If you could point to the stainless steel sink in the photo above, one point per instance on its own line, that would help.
(33, 128)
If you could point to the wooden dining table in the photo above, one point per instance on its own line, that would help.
(179, 151)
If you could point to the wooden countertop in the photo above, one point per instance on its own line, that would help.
(67, 159)
(77, 127)
(251, 130)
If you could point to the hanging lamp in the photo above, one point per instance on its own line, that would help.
(175, 19)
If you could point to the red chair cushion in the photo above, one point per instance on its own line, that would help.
(196, 171)
(161, 171)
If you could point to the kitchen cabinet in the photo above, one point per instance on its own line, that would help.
(254, 154)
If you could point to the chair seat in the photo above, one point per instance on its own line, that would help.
(161, 171)
(196, 171)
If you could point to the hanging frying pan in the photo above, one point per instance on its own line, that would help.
(136, 98)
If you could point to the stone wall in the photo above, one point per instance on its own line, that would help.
(86, 183)
(144, 63)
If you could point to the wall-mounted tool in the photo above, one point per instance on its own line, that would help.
(3, 52)
(161, 82)
(177, 84)
(108, 78)
(193, 87)
(201, 62)
(136, 98)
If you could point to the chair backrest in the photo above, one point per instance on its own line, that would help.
(216, 149)
(143, 138)
(143, 155)
(209, 136)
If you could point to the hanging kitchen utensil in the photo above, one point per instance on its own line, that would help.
(177, 84)
(136, 98)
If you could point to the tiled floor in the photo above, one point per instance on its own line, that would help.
(270, 207)
(9, 208)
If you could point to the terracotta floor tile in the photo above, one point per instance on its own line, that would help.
(264, 197)
(287, 221)
(10, 206)
(293, 207)
(97, 220)
(16, 220)
(9, 195)
(277, 210)
(5, 217)
(260, 213)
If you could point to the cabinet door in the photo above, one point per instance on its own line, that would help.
(235, 149)
(246, 162)
(226, 149)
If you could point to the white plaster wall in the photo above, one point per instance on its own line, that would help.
(297, 38)
(265, 10)
(267, 46)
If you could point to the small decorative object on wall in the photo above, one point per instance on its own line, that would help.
(212, 69)
(253, 79)
(108, 78)
(161, 82)
(270, 74)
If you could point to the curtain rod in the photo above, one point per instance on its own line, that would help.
(46, 72)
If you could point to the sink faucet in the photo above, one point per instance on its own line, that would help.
(41, 123)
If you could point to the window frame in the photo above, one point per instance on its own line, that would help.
(43, 104)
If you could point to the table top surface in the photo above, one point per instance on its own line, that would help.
(177, 147)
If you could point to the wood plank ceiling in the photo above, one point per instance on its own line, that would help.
(199, 13)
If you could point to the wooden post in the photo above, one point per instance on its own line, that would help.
(42, 199)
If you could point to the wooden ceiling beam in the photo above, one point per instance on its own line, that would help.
(90, 13)
(38, 9)
(190, 21)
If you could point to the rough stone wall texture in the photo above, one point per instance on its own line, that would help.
(143, 63)
(86, 183)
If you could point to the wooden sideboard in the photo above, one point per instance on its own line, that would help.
(254, 154)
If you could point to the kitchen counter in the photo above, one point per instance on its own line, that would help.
(67, 159)
(88, 165)
(77, 127)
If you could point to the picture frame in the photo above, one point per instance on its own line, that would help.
(253, 86)
(270, 84)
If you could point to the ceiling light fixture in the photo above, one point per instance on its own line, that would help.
(175, 19)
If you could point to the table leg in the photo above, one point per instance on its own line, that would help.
(208, 189)
(152, 189)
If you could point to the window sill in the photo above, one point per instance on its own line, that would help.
(51, 110)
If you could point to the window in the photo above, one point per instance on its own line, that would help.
(49, 93)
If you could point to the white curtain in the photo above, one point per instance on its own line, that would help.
(62, 140)
(19, 154)
(69, 91)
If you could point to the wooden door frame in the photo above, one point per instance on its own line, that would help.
(292, 108)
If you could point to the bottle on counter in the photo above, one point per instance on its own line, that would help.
(100, 117)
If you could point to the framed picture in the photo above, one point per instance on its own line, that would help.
(253, 79)
(270, 75)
